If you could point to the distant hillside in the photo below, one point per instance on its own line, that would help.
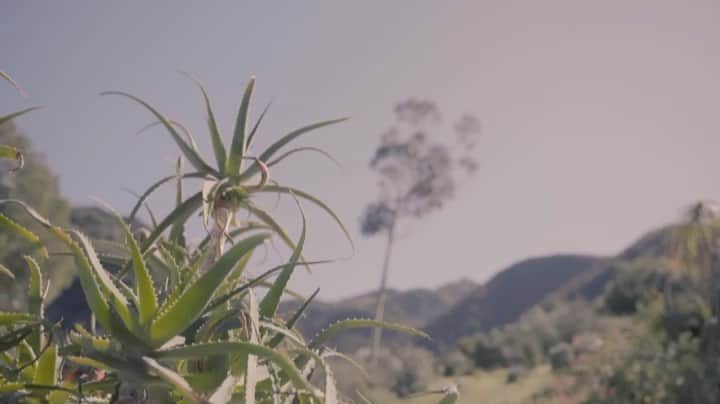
(508, 295)
(416, 307)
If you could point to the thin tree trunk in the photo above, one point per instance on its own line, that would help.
(382, 294)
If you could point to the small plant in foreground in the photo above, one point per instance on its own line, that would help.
(179, 322)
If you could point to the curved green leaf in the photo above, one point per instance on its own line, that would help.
(192, 155)
(35, 300)
(5, 271)
(144, 289)
(180, 213)
(12, 153)
(155, 186)
(302, 149)
(238, 146)
(225, 348)
(172, 320)
(342, 325)
(14, 115)
(12, 82)
(174, 380)
(46, 370)
(10, 318)
(270, 151)
(257, 124)
(269, 304)
(304, 195)
(217, 141)
(278, 338)
(13, 227)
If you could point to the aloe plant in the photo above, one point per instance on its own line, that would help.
(188, 325)
(235, 176)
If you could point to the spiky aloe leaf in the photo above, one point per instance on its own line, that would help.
(302, 149)
(86, 272)
(174, 380)
(257, 125)
(35, 300)
(267, 219)
(270, 151)
(16, 337)
(182, 127)
(10, 117)
(177, 231)
(11, 387)
(132, 370)
(270, 302)
(240, 289)
(215, 136)
(278, 338)
(172, 320)
(9, 318)
(192, 155)
(13, 227)
(12, 153)
(97, 275)
(144, 289)
(224, 392)
(224, 348)
(239, 141)
(342, 325)
(12, 82)
(304, 195)
(46, 370)
(5, 271)
(143, 197)
(180, 213)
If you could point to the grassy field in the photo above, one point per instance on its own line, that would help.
(485, 388)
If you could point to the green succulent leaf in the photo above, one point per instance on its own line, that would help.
(257, 125)
(180, 213)
(181, 313)
(342, 325)
(12, 82)
(101, 280)
(174, 380)
(46, 370)
(9, 318)
(225, 348)
(144, 289)
(12, 153)
(11, 116)
(304, 195)
(278, 338)
(215, 136)
(269, 304)
(239, 141)
(155, 186)
(303, 149)
(5, 271)
(177, 231)
(190, 153)
(275, 147)
(35, 300)
(88, 279)
(13, 227)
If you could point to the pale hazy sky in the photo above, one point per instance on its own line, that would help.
(600, 118)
